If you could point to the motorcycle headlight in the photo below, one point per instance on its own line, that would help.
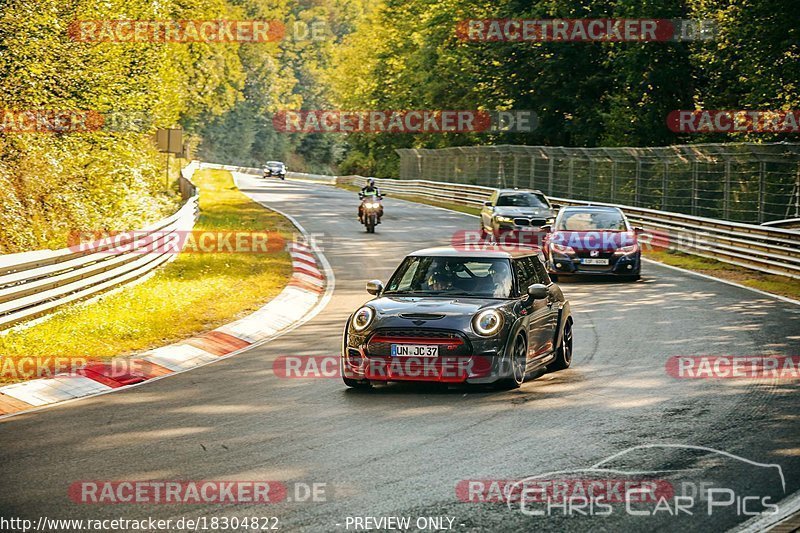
(624, 250)
(561, 249)
(487, 323)
(506, 220)
(363, 318)
(374, 205)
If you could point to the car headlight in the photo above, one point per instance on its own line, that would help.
(624, 250)
(505, 220)
(550, 221)
(561, 249)
(487, 323)
(363, 318)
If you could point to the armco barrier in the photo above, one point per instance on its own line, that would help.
(35, 283)
(763, 248)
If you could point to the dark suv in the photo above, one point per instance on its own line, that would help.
(509, 212)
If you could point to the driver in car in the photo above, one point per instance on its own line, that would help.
(501, 279)
(439, 281)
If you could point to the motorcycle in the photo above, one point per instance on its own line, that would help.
(371, 211)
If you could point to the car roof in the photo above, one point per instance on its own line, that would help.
(487, 251)
(509, 191)
(591, 208)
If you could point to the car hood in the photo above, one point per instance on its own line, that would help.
(602, 240)
(523, 212)
(412, 306)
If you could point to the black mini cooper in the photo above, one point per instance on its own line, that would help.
(454, 316)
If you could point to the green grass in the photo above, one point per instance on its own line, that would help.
(195, 293)
(781, 285)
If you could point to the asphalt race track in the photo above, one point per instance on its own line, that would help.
(401, 450)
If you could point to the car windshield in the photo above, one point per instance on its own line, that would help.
(452, 276)
(522, 199)
(274, 164)
(591, 220)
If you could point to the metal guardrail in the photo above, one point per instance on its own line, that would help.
(743, 182)
(35, 283)
(788, 223)
(762, 248)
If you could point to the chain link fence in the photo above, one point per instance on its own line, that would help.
(743, 182)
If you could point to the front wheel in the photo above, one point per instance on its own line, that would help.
(370, 224)
(564, 353)
(519, 364)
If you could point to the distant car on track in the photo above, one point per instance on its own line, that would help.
(275, 168)
(593, 240)
(509, 212)
(446, 315)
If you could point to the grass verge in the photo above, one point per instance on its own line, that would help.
(194, 293)
(780, 285)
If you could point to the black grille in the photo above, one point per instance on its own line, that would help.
(386, 337)
(529, 222)
(421, 316)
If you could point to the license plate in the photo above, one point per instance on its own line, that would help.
(589, 261)
(415, 350)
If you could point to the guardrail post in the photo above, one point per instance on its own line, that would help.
(571, 174)
(726, 198)
(614, 167)
(532, 180)
(550, 175)
(664, 186)
(516, 169)
(592, 171)
(797, 192)
(695, 171)
(637, 183)
(762, 189)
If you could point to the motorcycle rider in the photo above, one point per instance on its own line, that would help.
(369, 190)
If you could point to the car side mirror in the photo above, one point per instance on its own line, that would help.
(639, 231)
(537, 291)
(487, 204)
(547, 228)
(555, 206)
(375, 287)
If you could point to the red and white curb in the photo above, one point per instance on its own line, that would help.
(308, 291)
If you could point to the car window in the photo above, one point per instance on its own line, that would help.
(592, 220)
(525, 273)
(541, 272)
(522, 199)
(462, 276)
